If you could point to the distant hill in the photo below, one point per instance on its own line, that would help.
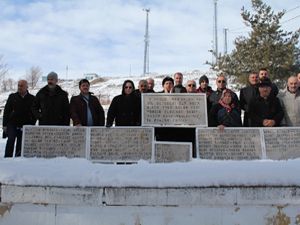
(105, 88)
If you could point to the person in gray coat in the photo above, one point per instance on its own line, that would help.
(290, 101)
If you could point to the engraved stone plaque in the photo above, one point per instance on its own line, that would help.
(172, 110)
(54, 141)
(229, 144)
(282, 143)
(121, 144)
(173, 152)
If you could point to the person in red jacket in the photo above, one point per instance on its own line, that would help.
(85, 108)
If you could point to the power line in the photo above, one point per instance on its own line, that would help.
(290, 19)
(240, 28)
(292, 9)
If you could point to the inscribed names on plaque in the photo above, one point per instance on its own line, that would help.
(166, 152)
(126, 144)
(54, 141)
(229, 144)
(282, 143)
(161, 109)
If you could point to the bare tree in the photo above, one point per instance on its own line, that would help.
(3, 68)
(3, 72)
(33, 76)
(11, 84)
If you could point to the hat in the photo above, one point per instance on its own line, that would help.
(266, 82)
(203, 78)
(167, 79)
(52, 75)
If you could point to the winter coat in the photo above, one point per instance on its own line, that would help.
(208, 92)
(179, 89)
(261, 109)
(125, 110)
(17, 110)
(246, 95)
(220, 116)
(78, 110)
(52, 107)
(291, 107)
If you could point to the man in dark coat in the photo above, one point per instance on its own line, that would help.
(85, 108)
(265, 110)
(262, 74)
(17, 112)
(247, 94)
(221, 86)
(151, 84)
(51, 105)
(206, 89)
(178, 88)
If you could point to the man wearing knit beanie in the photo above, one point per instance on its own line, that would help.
(52, 79)
(204, 88)
(51, 105)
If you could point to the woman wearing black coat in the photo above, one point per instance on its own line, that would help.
(225, 113)
(125, 109)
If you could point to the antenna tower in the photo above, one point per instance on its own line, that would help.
(225, 40)
(146, 51)
(216, 52)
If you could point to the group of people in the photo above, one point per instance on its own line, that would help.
(263, 104)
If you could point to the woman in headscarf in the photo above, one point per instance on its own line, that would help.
(125, 109)
(225, 113)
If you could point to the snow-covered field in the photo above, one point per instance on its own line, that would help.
(198, 173)
(108, 87)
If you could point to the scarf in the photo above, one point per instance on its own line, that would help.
(227, 107)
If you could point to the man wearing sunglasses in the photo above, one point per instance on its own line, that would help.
(191, 86)
(221, 86)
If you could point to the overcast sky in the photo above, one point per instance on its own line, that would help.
(107, 36)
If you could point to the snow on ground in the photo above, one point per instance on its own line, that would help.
(83, 173)
(197, 173)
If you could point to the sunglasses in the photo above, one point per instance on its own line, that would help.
(191, 85)
(222, 81)
(128, 87)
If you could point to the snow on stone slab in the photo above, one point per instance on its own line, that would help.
(198, 173)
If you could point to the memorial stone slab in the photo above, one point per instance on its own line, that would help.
(54, 141)
(121, 144)
(229, 144)
(173, 152)
(172, 110)
(282, 143)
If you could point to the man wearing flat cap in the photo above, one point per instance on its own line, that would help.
(265, 110)
(51, 105)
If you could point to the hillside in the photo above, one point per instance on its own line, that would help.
(105, 88)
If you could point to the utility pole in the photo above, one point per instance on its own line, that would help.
(225, 40)
(67, 69)
(216, 31)
(146, 51)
